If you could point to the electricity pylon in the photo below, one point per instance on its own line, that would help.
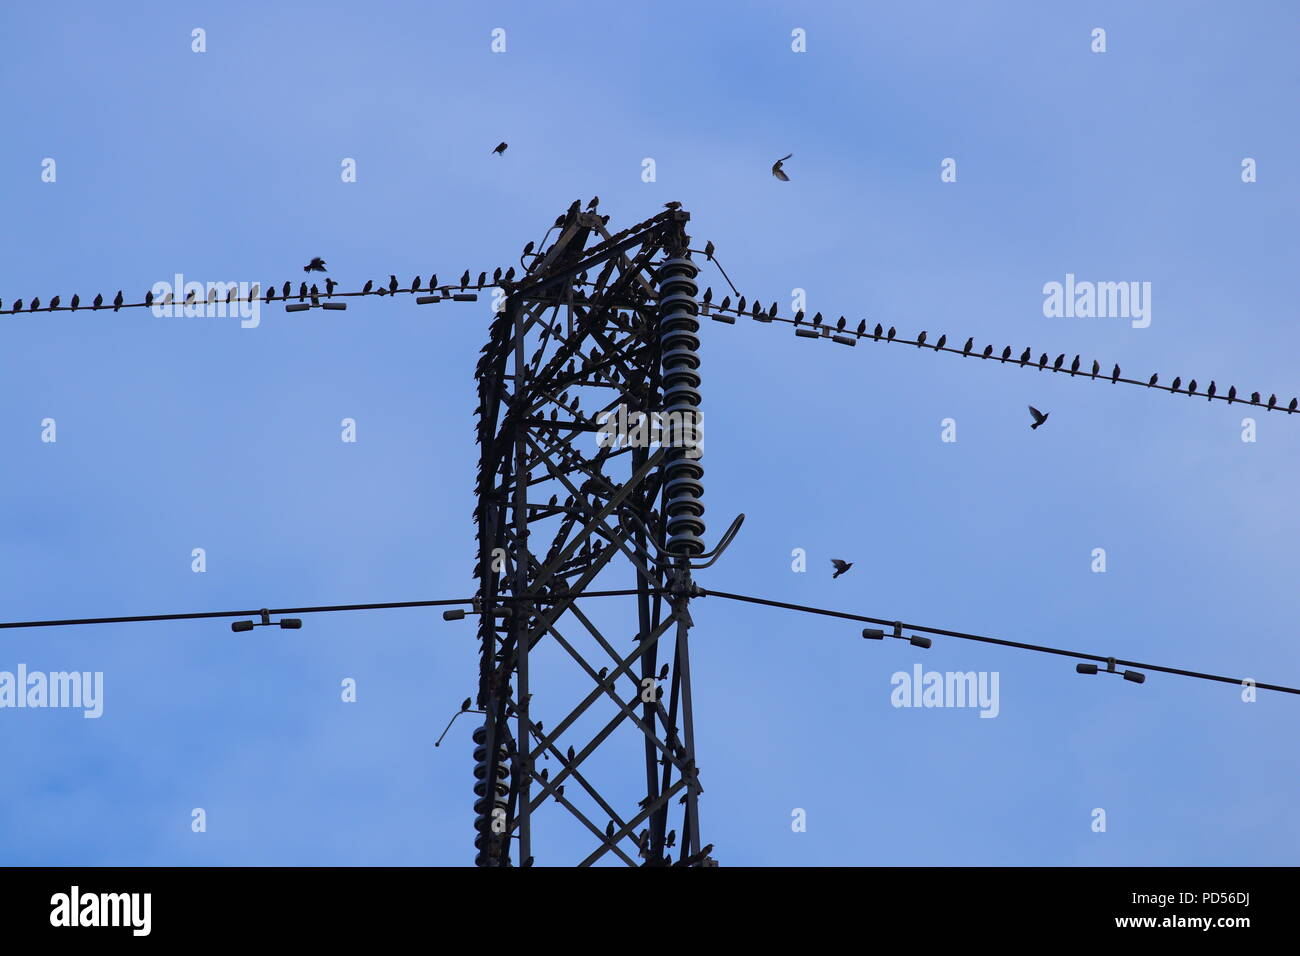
(566, 504)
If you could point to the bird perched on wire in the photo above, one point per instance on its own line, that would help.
(316, 265)
(840, 567)
(1039, 417)
(778, 172)
(500, 149)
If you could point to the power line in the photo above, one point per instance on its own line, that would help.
(816, 329)
(1082, 655)
(199, 615)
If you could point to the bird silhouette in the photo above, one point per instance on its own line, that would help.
(465, 704)
(1096, 367)
(316, 265)
(663, 672)
(840, 567)
(365, 289)
(1209, 392)
(609, 830)
(673, 205)
(878, 331)
(595, 201)
(1025, 356)
(920, 339)
(1178, 380)
(329, 286)
(284, 290)
(891, 334)
(943, 340)
(1006, 353)
(778, 172)
(1291, 407)
(1232, 393)
(1191, 387)
(862, 327)
(76, 301)
(392, 283)
(708, 250)
(36, 304)
(1042, 361)
(1153, 379)
(988, 350)
(1039, 417)
(54, 303)
(464, 279)
(1060, 360)
(117, 300)
(1254, 398)
(1272, 400)
(1114, 376)
(500, 149)
(1074, 366)
(970, 344)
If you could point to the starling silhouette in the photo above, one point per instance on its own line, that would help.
(1291, 407)
(1153, 379)
(673, 205)
(1209, 392)
(1232, 393)
(54, 303)
(1254, 398)
(943, 340)
(1272, 400)
(365, 289)
(862, 327)
(708, 250)
(329, 286)
(465, 704)
(570, 755)
(840, 567)
(988, 350)
(76, 301)
(663, 672)
(1039, 417)
(392, 283)
(500, 149)
(284, 290)
(878, 331)
(778, 172)
(148, 298)
(1114, 376)
(1096, 367)
(464, 280)
(891, 334)
(1006, 353)
(595, 201)
(99, 300)
(482, 279)
(1178, 380)
(609, 830)
(1191, 387)
(1025, 356)
(316, 265)
(1042, 361)
(302, 291)
(117, 300)
(920, 339)
(1060, 360)
(36, 304)
(1074, 366)
(970, 344)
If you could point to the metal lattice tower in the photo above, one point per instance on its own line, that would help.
(598, 321)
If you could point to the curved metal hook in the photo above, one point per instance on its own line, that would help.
(667, 557)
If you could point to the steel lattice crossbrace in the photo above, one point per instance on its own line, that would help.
(598, 321)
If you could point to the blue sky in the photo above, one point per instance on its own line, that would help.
(182, 433)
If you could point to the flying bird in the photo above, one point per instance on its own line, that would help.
(500, 149)
(316, 265)
(840, 567)
(1039, 417)
(778, 172)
